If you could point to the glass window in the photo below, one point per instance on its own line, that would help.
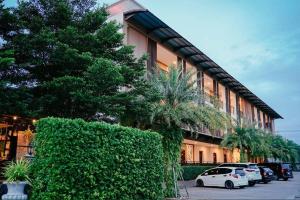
(212, 172)
(165, 58)
(240, 172)
(224, 171)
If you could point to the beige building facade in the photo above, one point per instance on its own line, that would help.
(164, 47)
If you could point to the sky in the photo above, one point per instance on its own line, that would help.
(256, 41)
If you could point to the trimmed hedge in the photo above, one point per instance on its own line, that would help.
(76, 160)
(191, 172)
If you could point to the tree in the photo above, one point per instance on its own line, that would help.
(176, 108)
(258, 143)
(241, 138)
(70, 60)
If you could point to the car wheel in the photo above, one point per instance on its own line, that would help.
(229, 185)
(251, 183)
(200, 183)
(285, 179)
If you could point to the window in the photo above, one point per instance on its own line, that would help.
(214, 158)
(224, 171)
(212, 172)
(200, 156)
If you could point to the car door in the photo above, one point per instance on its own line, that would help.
(209, 177)
(222, 176)
(213, 177)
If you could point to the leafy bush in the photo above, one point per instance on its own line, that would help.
(191, 172)
(17, 171)
(79, 160)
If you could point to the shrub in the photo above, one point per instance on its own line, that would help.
(17, 171)
(92, 161)
(191, 172)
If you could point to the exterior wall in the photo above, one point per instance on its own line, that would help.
(138, 40)
(192, 149)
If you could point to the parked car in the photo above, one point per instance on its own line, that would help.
(251, 170)
(228, 177)
(266, 174)
(281, 170)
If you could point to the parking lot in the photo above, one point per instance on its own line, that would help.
(274, 190)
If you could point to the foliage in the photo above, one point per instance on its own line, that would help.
(191, 172)
(69, 61)
(177, 107)
(258, 143)
(17, 171)
(79, 160)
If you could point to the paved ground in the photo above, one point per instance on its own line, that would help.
(274, 190)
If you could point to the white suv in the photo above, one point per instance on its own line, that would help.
(228, 177)
(251, 170)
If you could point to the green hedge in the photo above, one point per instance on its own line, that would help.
(191, 172)
(76, 160)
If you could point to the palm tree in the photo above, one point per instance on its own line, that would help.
(176, 108)
(241, 138)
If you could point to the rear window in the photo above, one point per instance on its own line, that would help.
(240, 172)
(286, 166)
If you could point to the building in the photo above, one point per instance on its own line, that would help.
(165, 46)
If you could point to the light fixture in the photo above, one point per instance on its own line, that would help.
(15, 117)
(34, 121)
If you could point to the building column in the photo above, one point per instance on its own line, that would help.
(200, 84)
(264, 121)
(216, 88)
(152, 55)
(238, 112)
(227, 97)
(258, 118)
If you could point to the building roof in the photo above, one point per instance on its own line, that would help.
(162, 33)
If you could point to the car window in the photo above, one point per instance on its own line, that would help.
(240, 172)
(286, 166)
(242, 165)
(224, 171)
(252, 166)
(212, 172)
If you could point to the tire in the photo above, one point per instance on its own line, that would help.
(199, 183)
(285, 179)
(229, 185)
(251, 183)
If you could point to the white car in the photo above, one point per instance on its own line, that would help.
(228, 177)
(251, 170)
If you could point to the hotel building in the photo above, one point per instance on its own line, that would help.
(164, 46)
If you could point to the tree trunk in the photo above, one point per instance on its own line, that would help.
(172, 140)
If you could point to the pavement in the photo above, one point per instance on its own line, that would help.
(274, 190)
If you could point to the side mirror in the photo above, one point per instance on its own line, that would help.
(205, 174)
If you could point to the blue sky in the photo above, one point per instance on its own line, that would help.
(257, 41)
